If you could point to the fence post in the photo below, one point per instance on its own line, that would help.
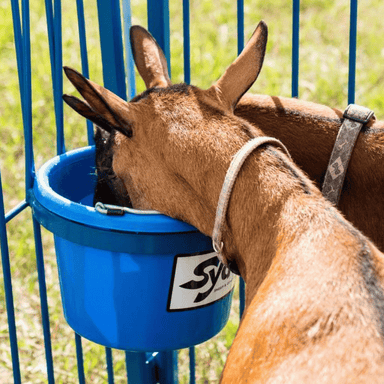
(295, 47)
(111, 42)
(158, 26)
(140, 368)
(8, 292)
(352, 52)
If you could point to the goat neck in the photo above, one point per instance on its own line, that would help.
(309, 132)
(314, 284)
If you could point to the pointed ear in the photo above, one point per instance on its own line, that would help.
(102, 106)
(149, 58)
(83, 109)
(243, 72)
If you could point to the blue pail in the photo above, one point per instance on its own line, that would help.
(133, 282)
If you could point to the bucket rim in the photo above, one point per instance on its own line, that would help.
(87, 215)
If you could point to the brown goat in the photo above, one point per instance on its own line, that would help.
(309, 132)
(314, 283)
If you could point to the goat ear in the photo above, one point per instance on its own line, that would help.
(243, 72)
(83, 109)
(102, 106)
(149, 58)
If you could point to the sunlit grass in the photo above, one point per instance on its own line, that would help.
(324, 38)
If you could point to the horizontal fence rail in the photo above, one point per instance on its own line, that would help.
(114, 21)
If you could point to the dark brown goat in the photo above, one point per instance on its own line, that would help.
(309, 132)
(109, 188)
(314, 283)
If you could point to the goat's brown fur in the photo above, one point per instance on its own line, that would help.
(309, 132)
(314, 284)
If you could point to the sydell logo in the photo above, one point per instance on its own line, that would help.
(198, 280)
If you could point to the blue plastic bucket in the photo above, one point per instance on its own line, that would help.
(133, 282)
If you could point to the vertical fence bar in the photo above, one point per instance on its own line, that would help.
(43, 300)
(192, 366)
(8, 292)
(82, 37)
(18, 42)
(53, 15)
(58, 79)
(111, 43)
(27, 120)
(27, 95)
(139, 369)
(80, 360)
(352, 52)
(240, 26)
(129, 62)
(240, 47)
(84, 57)
(166, 364)
(23, 84)
(186, 42)
(295, 47)
(158, 25)
(50, 29)
(109, 359)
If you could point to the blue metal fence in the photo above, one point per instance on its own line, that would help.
(141, 367)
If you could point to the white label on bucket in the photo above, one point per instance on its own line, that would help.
(198, 280)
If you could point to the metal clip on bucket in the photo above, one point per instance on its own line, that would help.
(116, 210)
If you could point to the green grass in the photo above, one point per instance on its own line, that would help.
(323, 78)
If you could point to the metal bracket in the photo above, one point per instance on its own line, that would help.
(359, 114)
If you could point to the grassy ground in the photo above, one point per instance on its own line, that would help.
(323, 79)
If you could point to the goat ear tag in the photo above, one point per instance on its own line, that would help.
(197, 281)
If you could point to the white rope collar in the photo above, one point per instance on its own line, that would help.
(229, 181)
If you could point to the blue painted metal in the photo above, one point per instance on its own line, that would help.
(158, 25)
(140, 368)
(192, 365)
(352, 52)
(295, 47)
(242, 296)
(84, 57)
(240, 47)
(53, 14)
(187, 42)
(240, 26)
(15, 211)
(8, 291)
(111, 43)
(52, 193)
(27, 95)
(166, 367)
(80, 360)
(51, 39)
(58, 79)
(23, 56)
(129, 65)
(43, 300)
(109, 360)
(82, 37)
(23, 53)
